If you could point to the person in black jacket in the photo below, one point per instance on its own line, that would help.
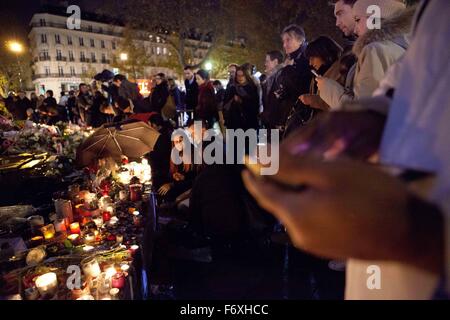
(244, 110)
(159, 158)
(294, 80)
(191, 88)
(160, 93)
(21, 106)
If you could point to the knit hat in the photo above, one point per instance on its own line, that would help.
(389, 8)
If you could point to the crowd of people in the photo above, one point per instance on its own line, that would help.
(381, 98)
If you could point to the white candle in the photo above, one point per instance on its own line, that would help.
(110, 272)
(91, 268)
(47, 284)
(125, 267)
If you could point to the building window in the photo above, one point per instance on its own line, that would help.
(103, 44)
(158, 51)
(57, 39)
(47, 71)
(58, 55)
(103, 58)
(164, 51)
(69, 40)
(113, 45)
(43, 38)
(81, 42)
(71, 58)
(100, 30)
(72, 71)
(82, 56)
(93, 57)
(61, 71)
(90, 28)
(92, 43)
(43, 23)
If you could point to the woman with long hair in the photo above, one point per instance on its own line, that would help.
(244, 110)
(207, 105)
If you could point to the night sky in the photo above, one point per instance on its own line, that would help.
(15, 16)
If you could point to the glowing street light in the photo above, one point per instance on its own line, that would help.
(15, 47)
(208, 66)
(124, 56)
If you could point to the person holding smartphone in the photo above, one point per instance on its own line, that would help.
(324, 58)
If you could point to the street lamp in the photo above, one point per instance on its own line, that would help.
(17, 48)
(124, 56)
(208, 66)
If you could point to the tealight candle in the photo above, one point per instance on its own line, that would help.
(125, 267)
(37, 241)
(119, 239)
(88, 248)
(73, 238)
(134, 248)
(47, 284)
(123, 196)
(48, 231)
(136, 213)
(114, 220)
(75, 228)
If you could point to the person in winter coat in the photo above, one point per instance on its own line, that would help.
(376, 49)
(191, 88)
(273, 65)
(175, 93)
(21, 106)
(128, 90)
(160, 93)
(244, 109)
(324, 57)
(293, 81)
(207, 105)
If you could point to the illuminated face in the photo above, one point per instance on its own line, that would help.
(360, 25)
(344, 18)
(316, 62)
(158, 80)
(240, 77)
(232, 72)
(200, 80)
(178, 142)
(270, 65)
(290, 43)
(188, 74)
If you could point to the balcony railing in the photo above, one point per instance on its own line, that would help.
(85, 60)
(61, 59)
(84, 29)
(55, 75)
(106, 61)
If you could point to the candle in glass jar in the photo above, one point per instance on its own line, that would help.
(98, 221)
(106, 216)
(48, 231)
(114, 293)
(119, 238)
(91, 268)
(60, 225)
(110, 272)
(125, 267)
(134, 248)
(75, 228)
(89, 238)
(47, 284)
(123, 196)
(118, 281)
(73, 238)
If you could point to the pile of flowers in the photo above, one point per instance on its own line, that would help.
(63, 139)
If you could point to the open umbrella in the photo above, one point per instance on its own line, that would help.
(133, 140)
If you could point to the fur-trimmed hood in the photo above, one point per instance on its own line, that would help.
(391, 29)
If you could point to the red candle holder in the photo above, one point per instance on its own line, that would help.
(75, 228)
(118, 281)
(106, 216)
(135, 192)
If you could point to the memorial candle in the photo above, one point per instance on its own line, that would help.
(75, 228)
(47, 284)
(48, 231)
